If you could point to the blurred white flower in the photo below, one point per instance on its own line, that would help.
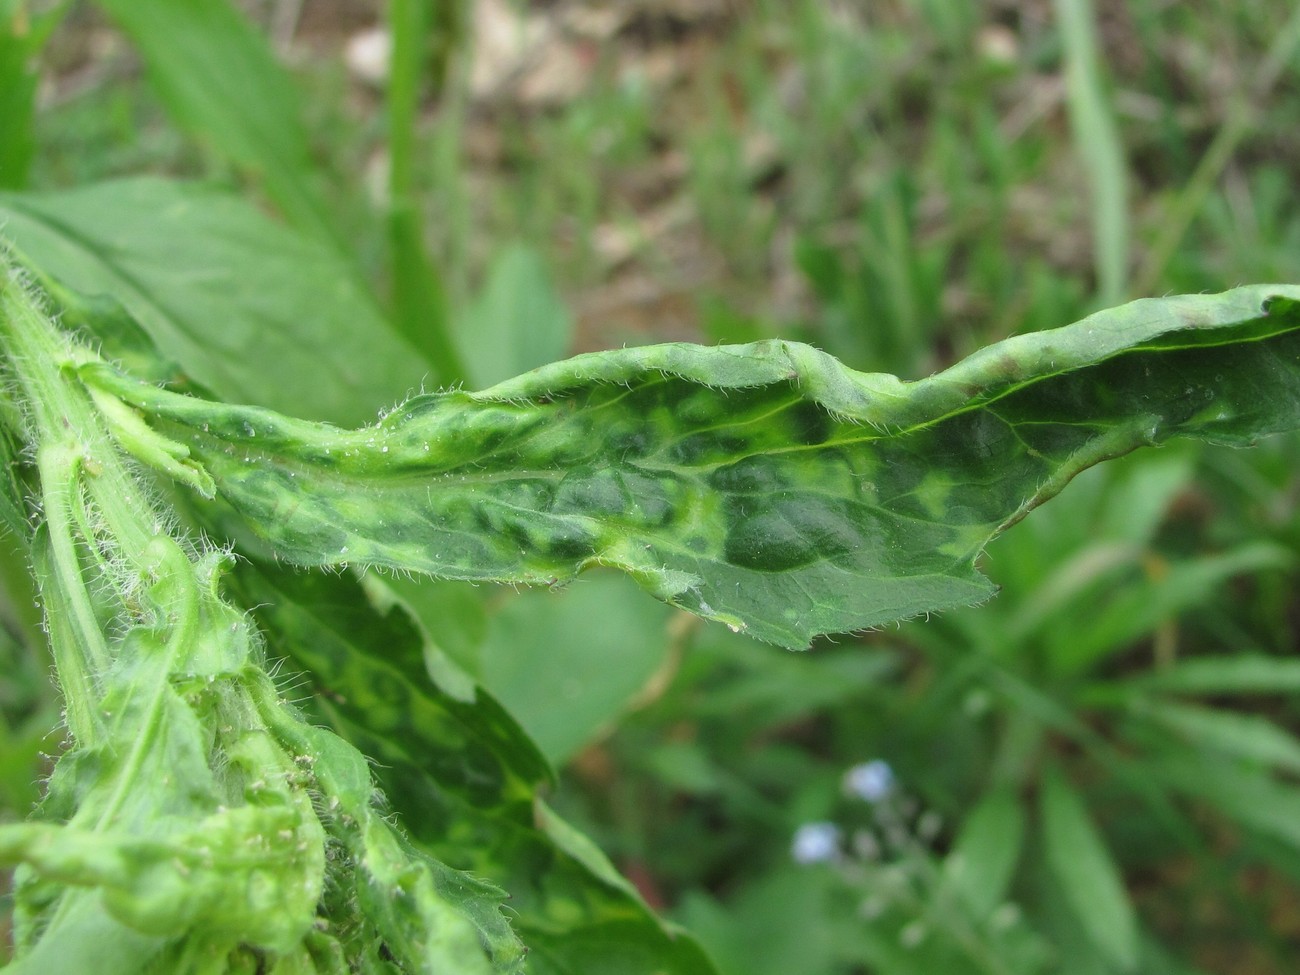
(871, 781)
(816, 843)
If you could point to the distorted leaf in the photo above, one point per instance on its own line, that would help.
(765, 486)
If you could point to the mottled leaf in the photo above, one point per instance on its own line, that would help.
(461, 776)
(371, 666)
(765, 486)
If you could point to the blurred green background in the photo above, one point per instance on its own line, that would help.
(1098, 771)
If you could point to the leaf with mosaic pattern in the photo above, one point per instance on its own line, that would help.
(766, 486)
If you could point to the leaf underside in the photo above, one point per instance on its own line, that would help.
(766, 486)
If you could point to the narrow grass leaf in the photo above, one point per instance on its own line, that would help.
(983, 859)
(1244, 736)
(764, 486)
(1250, 797)
(23, 33)
(1089, 879)
(1096, 139)
(1150, 600)
(1248, 673)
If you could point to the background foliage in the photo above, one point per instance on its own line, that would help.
(1099, 767)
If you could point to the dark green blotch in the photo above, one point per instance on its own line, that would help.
(567, 542)
(787, 533)
(652, 501)
(809, 423)
(702, 448)
(752, 475)
(630, 446)
(589, 491)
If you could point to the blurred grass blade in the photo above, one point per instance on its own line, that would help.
(764, 486)
(1152, 600)
(1089, 878)
(1097, 141)
(249, 309)
(419, 297)
(983, 860)
(1250, 797)
(1245, 736)
(220, 81)
(23, 33)
(1244, 674)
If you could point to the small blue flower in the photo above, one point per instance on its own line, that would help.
(816, 843)
(871, 781)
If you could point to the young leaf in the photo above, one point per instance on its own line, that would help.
(765, 486)
(1089, 879)
(249, 309)
(517, 323)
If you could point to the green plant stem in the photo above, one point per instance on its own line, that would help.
(419, 298)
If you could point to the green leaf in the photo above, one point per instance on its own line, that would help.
(252, 311)
(20, 39)
(1248, 796)
(1089, 879)
(219, 80)
(461, 776)
(1249, 673)
(547, 657)
(983, 859)
(1245, 736)
(517, 323)
(1098, 143)
(370, 663)
(1146, 602)
(765, 486)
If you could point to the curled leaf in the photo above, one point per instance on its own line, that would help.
(766, 486)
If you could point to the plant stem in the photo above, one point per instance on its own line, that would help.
(419, 298)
